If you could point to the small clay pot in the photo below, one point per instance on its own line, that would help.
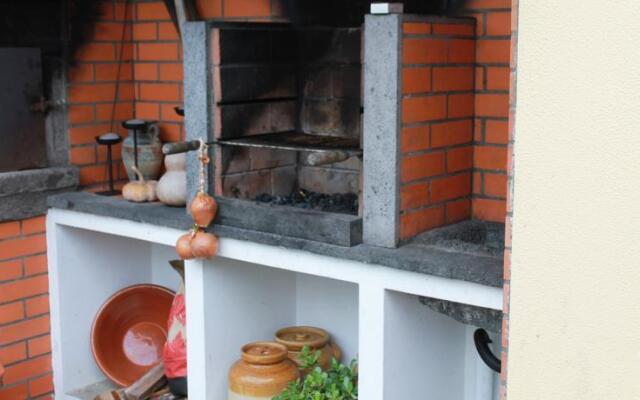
(295, 338)
(264, 371)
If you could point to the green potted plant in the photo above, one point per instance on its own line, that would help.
(339, 382)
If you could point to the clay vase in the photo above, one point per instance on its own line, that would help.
(172, 187)
(149, 153)
(296, 337)
(264, 371)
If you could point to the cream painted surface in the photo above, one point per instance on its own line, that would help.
(575, 302)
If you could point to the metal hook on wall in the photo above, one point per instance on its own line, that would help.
(482, 340)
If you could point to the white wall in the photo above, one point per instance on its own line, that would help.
(575, 299)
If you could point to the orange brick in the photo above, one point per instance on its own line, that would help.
(498, 78)
(416, 80)
(247, 8)
(421, 166)
(148, 111)
(96, 52)
(10, 270)
(489, 210)
(83, 155)
(125, 54)
(477, 183)
(492, 105)
(159, 92)
(416, 28)
(80, 114)
(19, 247)
(168, 113)
(109, 72)
(507, 264)
(171, 72)
(414, 222)
(414, 196)
(41, 385)
(108, 31)
(123, 111)
(423, 109)
(119, 14)
(494, 51)
(92, 93)
(126, 92)
(451, 133)
(40, 345)
(152, 11)
(208, 9)
(479, 17)
(9, 229)
(490, 157)
(167, 31)
(452, 78)
(81, 73)
(13, 353)
(87, 134)
(480, 78)
(33, 225)
(497, 132)
(26, 369)
(462, 51)
(499, 23)
(495, 185)
(23, 288)
(146, 71)
(459, 159)
(145, 31)
(92, 174)
(454, 29)
(424, 51)
(458, 210)
(158, 51)
(18, 392)
(11, 312)
(450, 187)
(24, 329)
(414, 139)
(171, 132)
(37, 305)
(460, 105)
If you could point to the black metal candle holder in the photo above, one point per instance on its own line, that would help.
(109, 139)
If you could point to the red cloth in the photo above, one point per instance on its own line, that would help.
(175, 350)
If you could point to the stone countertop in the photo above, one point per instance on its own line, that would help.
(445, 254)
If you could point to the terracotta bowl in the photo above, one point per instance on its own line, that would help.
(129, 332)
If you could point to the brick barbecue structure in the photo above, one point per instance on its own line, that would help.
(454, 139)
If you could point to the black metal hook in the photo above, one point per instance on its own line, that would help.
(482, 340)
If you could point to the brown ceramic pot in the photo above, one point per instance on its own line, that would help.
(296, 337)
(264, 371)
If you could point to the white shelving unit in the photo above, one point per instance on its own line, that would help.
(405, 351)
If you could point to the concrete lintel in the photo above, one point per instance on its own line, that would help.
(381, 133)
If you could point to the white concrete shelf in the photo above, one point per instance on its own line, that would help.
(404, 349)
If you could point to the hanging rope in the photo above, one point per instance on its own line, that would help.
(120, 56)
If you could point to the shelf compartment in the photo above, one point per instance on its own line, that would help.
(296, 141)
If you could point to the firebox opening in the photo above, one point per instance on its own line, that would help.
(288, 115)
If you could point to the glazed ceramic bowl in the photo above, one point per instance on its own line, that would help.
(130, 330)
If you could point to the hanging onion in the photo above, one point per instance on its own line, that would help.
(203, 209)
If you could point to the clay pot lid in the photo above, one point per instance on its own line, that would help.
(129, 332)
(264, 353)
(296, 337)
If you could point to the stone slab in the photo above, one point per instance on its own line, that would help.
(480, 317)
(416, 257)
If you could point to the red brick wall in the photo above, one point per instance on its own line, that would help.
(25, 348)
(437, 124)
(493, 31)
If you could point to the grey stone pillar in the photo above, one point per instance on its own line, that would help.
(381, 133)
(197, 97)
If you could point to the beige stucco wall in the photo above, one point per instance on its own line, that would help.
(575, 300)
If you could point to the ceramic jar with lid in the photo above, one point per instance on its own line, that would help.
(295, 338)
(264, 371)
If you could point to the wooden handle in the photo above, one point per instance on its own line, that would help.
(182, 147)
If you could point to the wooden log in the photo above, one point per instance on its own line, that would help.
(327, 157)
(147, 384)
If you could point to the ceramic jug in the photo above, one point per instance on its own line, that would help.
(172, 187)
(149, 152)
(295, 338)
(263, 372)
